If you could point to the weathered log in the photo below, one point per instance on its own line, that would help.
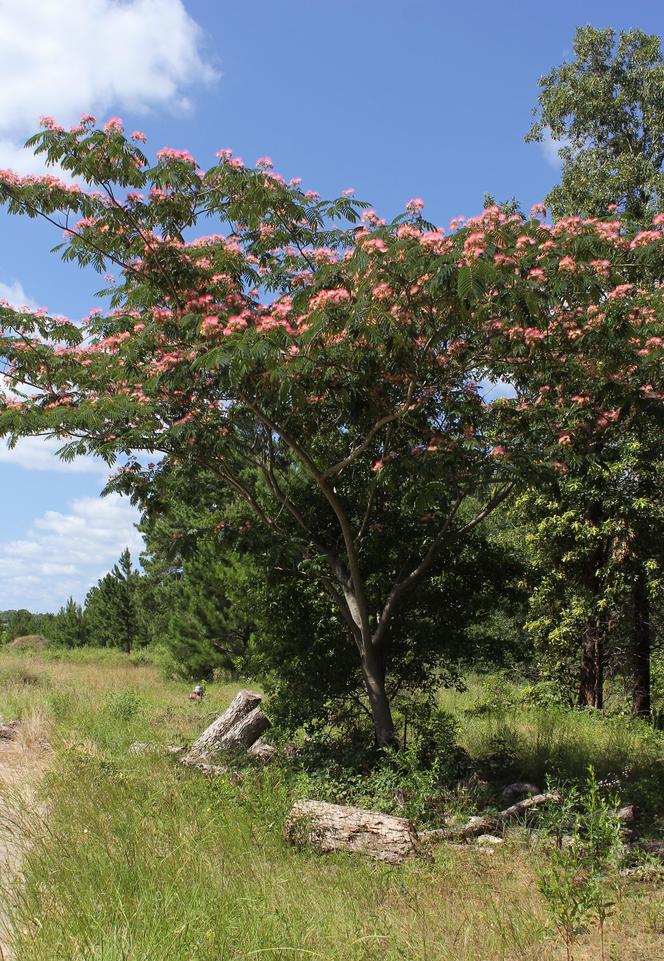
(247, 730)
(143, 747)
(477, 826)
(336, 827)
(212, 738)
(627, 817)
(260, 750)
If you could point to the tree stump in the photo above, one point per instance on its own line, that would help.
(336, 827)
(241, 724)
(247, 730)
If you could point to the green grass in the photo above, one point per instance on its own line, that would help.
(132, 858)
(510, 739)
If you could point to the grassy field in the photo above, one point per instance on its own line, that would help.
(132, 858)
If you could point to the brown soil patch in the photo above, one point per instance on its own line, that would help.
(22, 762)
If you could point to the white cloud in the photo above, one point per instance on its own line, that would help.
(63, 554)
(40, 453)
(15, 295)
(550, 148)
(63, 59)
(14, 156)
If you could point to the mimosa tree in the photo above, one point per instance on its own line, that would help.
(335, 372)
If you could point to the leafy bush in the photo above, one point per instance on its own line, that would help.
(409, 780)
(579, 881)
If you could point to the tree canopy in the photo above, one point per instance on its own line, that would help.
(606, 110)
(344, 377)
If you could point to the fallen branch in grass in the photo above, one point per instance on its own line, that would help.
(491, 823)
(143, 747)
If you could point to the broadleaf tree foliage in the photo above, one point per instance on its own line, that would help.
(606, 110)
(599, 536)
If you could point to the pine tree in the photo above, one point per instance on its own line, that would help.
(211, 627)
(111, 608)
(69, 625)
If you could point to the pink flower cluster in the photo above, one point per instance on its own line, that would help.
(168, 153)
(415, 206)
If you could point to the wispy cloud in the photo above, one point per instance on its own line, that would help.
(551, 149)
(14, 294)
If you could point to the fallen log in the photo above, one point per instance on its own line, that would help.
(491, 823)
(221, 733)
(143, 747)
(336, 827)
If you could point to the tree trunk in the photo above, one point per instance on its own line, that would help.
(641, 646)
(373, 666)
(335, 827)
(591, 689)
(247, 730)
(591, 692)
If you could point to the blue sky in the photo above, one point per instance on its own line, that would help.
(396, 98)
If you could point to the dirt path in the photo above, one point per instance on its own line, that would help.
(22, 763)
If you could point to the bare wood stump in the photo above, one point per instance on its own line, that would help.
(247, 730)
(336, 827)
(212, 738)
(627, 817)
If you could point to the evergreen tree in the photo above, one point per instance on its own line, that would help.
(111, 607)
(19, 623)
(69, 627)
(211, 626)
